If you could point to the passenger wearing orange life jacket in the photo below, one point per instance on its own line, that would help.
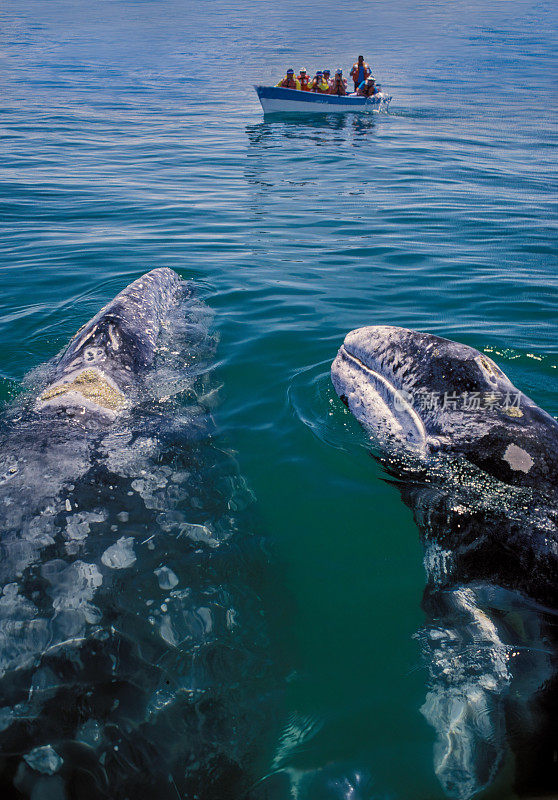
(289, 81)
(339, 84)
(304, 80)
(359, 72)
(319, 84)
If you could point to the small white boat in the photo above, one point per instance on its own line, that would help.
(276, 100)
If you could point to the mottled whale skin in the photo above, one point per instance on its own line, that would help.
(115, 348)
(477, 462)
(131, 635)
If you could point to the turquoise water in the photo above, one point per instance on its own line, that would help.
(132, 139)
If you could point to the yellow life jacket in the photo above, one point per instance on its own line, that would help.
(322, 87)
(289, 82)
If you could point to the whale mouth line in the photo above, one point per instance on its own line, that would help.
(87, 387)
(399, 404)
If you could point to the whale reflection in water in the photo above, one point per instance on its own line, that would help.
(477, 462)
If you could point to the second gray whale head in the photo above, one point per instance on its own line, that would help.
(418, 394)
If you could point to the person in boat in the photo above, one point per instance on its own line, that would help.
(319, 84)
(368, 87)
(359, 71)
(327, 77)
(289, 81)
(339, 84)
(304, 80)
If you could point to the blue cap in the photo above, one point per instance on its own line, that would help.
(290, 72)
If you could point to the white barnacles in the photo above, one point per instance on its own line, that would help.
(166, 577)
(44, 759)
(113, 336)
(517, 458)
(120, 555)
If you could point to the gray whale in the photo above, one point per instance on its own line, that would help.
(131, 636)
(477, 462)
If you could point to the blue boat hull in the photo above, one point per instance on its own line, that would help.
(276, 100)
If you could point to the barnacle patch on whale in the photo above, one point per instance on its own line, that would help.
(44, 759)
(517, 458)
(489, 368)
(120, 555)
(513, 411)
(92, 385)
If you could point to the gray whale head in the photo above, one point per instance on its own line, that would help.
(417, 394)
(104, 362)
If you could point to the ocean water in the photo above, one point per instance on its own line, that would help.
(132, 139)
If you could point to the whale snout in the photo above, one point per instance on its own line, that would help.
(105, 362)
(373, 392)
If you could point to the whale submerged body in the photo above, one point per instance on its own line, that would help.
(477, 462)
(131, 640)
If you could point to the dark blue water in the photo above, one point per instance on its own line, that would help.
(132, 139)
